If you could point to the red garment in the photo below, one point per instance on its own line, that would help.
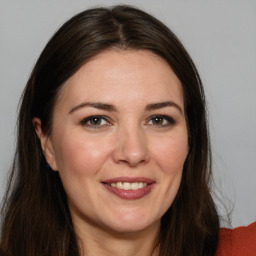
(240, 241)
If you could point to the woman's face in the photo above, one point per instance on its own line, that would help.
(119, 140)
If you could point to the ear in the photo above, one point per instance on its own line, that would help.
(46, 144)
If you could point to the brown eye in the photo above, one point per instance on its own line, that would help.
(161, 121)
(94, 121)
(157, 120)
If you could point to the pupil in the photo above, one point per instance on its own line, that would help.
(95, 120)
(158, 120)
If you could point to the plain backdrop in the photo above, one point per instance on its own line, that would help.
(220, 35)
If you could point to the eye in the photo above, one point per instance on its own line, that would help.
(95, 121)
(161, 120)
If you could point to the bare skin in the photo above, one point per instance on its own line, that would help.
(108, 243)
(119, 121)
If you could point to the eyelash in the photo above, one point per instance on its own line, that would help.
(169, 121)
(166, 121)
(88, 119)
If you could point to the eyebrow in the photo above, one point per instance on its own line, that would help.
(98, 105)
(159, 105)
(112, 108)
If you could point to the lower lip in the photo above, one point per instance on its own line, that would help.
(130, 194)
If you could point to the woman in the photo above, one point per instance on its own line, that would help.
(113, 155)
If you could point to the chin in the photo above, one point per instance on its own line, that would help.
(131, 224)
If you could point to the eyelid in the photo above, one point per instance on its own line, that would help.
(166, 118)
(87, 119)
(171, 121)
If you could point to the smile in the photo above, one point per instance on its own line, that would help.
(128, 185)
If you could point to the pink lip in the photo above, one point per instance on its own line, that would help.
(129, 179)
(129, 194)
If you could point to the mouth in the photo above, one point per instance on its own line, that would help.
(129, 188)
(128, 185)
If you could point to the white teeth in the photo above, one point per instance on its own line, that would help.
(119, 185)
(135, 185)
(128, 185)
(141, 185)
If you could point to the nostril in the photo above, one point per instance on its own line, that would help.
(132, 162)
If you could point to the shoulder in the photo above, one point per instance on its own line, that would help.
(240, 241)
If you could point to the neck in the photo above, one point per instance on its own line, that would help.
(94, 241)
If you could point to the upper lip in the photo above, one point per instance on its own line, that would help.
(129, 179)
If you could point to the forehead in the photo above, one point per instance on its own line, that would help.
(123, 75)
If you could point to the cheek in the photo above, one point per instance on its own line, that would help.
(171, 154)
(80, 155)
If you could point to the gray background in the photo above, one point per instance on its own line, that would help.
(221, 38)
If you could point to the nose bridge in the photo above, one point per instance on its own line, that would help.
(131, 145)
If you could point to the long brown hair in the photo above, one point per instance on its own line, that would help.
(36, 218)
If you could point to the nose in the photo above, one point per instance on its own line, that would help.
(131, 148)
